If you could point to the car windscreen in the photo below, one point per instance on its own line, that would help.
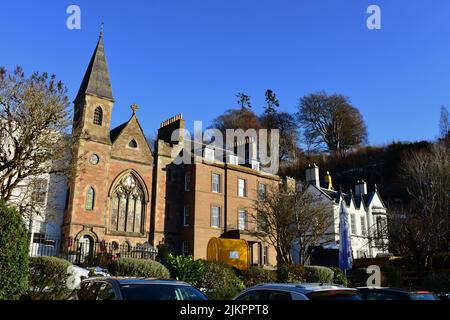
(334, 295)
(160, 292)
(423, 296)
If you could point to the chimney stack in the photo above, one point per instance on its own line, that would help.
(360, 188)
(169, 126)
(312, 175)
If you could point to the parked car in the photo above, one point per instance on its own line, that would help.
(136, 289)
(378, 293)
(444, 295)
(300, 291)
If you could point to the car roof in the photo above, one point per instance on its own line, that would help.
(139, 281)
(396, 290)
(301, 287)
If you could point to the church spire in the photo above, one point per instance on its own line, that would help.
(96, 79)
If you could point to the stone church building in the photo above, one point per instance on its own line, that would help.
(110, 193)
(122, 192)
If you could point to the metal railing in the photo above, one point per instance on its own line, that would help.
(88, 253)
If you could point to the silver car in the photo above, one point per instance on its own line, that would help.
(297, 291)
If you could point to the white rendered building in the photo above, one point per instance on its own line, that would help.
(366, 216)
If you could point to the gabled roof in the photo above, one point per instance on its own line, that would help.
(371, 196)
(96, 79)
(114, 133)
(330, 194)
(336, 196)
(362, 200)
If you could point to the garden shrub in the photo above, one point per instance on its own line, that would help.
(186, 269)
(127, 267)
(339, 277)
(164, 251)
(438, 281)
(220, 282)
(13, 254)
(292, 273)
(48, 279)
(256, 275)
(318, 274)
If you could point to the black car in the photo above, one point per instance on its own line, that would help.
(111, 288)
(367, 293)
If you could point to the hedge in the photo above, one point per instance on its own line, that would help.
(48, 279)
(294, 273)
(318, 274)
(339, 277)
(138, 268)
(256, 275)
(13, 254)
(220, 282)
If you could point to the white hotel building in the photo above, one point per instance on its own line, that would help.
(366, 215)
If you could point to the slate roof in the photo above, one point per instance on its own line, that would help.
(96, 79)
(114, 133)
(358, 200)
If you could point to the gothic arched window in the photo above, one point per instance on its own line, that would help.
(90, 198)
(128, 206)
(98, 116)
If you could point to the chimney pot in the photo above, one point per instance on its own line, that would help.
(312, 175)
(360, 188)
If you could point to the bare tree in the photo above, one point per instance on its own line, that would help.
(331, 122)
(236, 119)
(421, 228)
(289, 215)
(313, 218)
(274, 218)
(34, 122)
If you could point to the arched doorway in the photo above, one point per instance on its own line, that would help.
(86, 249)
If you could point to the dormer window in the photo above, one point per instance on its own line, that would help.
(133, 144)
(98, 116)
(232, 159)
(255, 165)
(209, 154)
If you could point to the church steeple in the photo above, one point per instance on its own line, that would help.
(96, 79)
(94, 101)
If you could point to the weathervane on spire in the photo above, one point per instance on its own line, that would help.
(101, 27)
(134, 107)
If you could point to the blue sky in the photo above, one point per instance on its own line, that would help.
(193, 56)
